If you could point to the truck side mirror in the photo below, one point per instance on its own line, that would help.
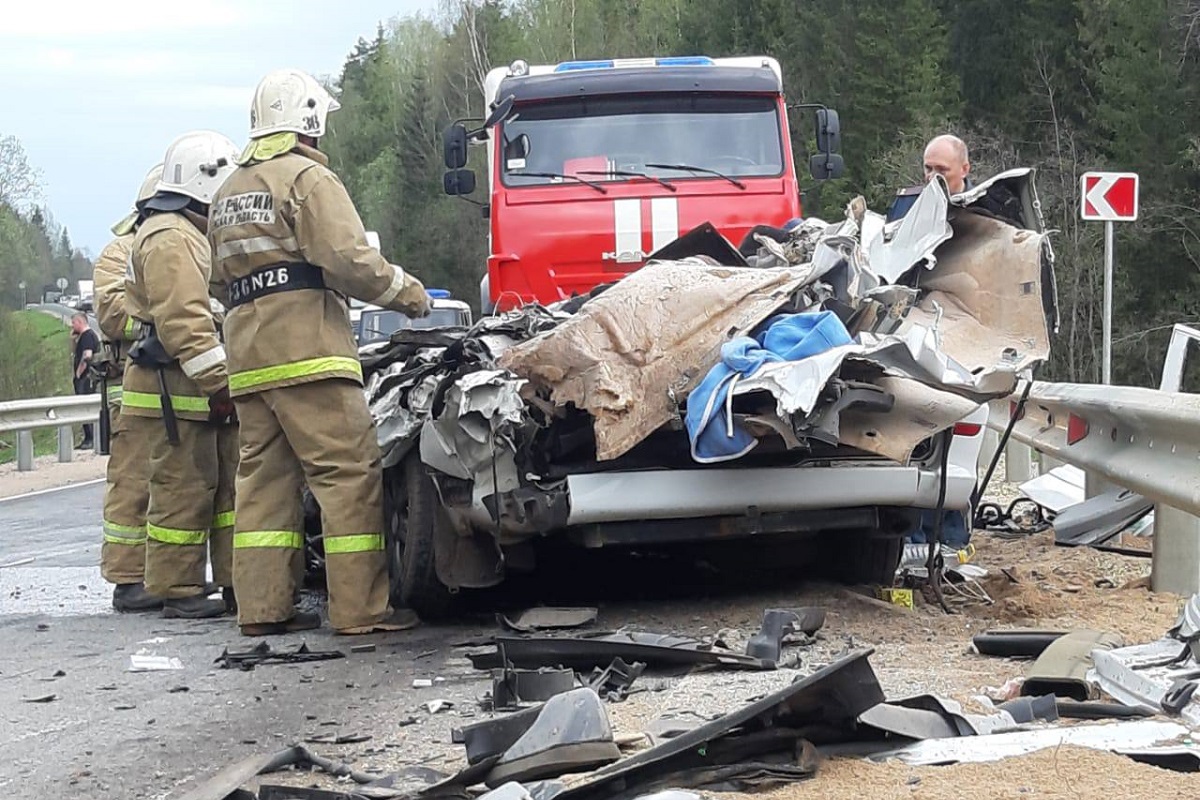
(500, 113)
(454, 146)
(458, 182)
(825, 166)
(829, 131)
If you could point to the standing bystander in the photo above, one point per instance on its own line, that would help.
(87, 343)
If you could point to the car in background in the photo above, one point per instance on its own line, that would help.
(373, 324)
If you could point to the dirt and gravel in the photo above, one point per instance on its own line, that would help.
(1031, 583)
(48, 473)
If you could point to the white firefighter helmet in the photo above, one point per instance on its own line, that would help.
(289, 100)
(196, 165)
(128, 223)
(150, 184)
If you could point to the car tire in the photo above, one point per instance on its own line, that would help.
(413, 517)
(871, 559)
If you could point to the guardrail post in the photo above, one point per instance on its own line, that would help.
(1175, 565)
(991, 443)
(24, 451)
(1047, 463)
(1018, 462)
(1094, 484)
(66, 443)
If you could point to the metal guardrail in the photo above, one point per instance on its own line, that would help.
(1143, 440)
(1140, 439)
(26, 416)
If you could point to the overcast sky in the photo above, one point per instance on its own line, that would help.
(97, 89)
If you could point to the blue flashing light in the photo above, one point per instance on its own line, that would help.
(438, 294)
(685, 61)
(571, 66)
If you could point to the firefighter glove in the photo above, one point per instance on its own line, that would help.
(221, 409)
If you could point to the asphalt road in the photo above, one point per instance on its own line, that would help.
(110, 733)
(107, 732)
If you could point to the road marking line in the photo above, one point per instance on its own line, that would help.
(40, 492)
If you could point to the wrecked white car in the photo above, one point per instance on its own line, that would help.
(827, 389)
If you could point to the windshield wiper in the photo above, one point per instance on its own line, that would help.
(706, 170)
(628, 173)
(592, 184)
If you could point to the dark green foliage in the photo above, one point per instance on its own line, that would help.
(1065, 86)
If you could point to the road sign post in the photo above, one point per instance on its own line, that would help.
(1108, 197)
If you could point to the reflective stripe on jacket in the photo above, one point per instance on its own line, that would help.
(292, 209)
(168, 287)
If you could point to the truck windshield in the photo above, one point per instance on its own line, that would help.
(599, 137)
(377, 326)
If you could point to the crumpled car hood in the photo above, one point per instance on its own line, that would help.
(947, 308)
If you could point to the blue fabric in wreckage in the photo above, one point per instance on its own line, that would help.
(715, 434)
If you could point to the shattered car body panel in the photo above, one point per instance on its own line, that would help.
(570, 418)
(620, 357)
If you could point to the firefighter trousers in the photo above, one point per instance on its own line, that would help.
(190, 515)
(126, 495)
(320, 433)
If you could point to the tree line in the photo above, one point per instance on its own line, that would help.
(1064, 86)
(34, 249)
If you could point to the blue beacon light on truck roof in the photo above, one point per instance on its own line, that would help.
(438, 294)
(670, 61)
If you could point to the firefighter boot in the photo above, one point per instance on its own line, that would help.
(197, 606)
(401, 619)
(302, 621)
(133, 597)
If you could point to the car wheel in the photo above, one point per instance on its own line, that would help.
(413, 517)
(869, 558)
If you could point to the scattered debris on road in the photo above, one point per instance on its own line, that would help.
(149, 662)
(545, 619)
(263, 654)
(1062, 668)
(45, 698)
(598, 650)
(512, 687)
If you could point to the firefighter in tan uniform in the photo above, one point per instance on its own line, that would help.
(176, 387)
(123, 554)
(289, 246)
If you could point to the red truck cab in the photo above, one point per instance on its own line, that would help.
(595, 165)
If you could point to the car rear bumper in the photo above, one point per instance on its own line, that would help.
(688, 494)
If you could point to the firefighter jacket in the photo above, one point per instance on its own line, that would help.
(109, 277)
(116, 326)
(168, 288)
(289, 247)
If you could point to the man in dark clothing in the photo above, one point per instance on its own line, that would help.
(87, 343)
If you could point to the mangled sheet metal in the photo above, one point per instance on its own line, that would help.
(930, 315)
(630, 354)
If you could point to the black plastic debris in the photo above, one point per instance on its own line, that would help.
(1015, 643)
(263, 654)
(1096, 709)
(763, 743)
(511, 687)
(545, 619)
(588, 652)
(571, 733)
(488, 739)
(614, 681)
(45, 698)
(703, 240)
(777, 625)
(345, 738)
(1027, 709)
